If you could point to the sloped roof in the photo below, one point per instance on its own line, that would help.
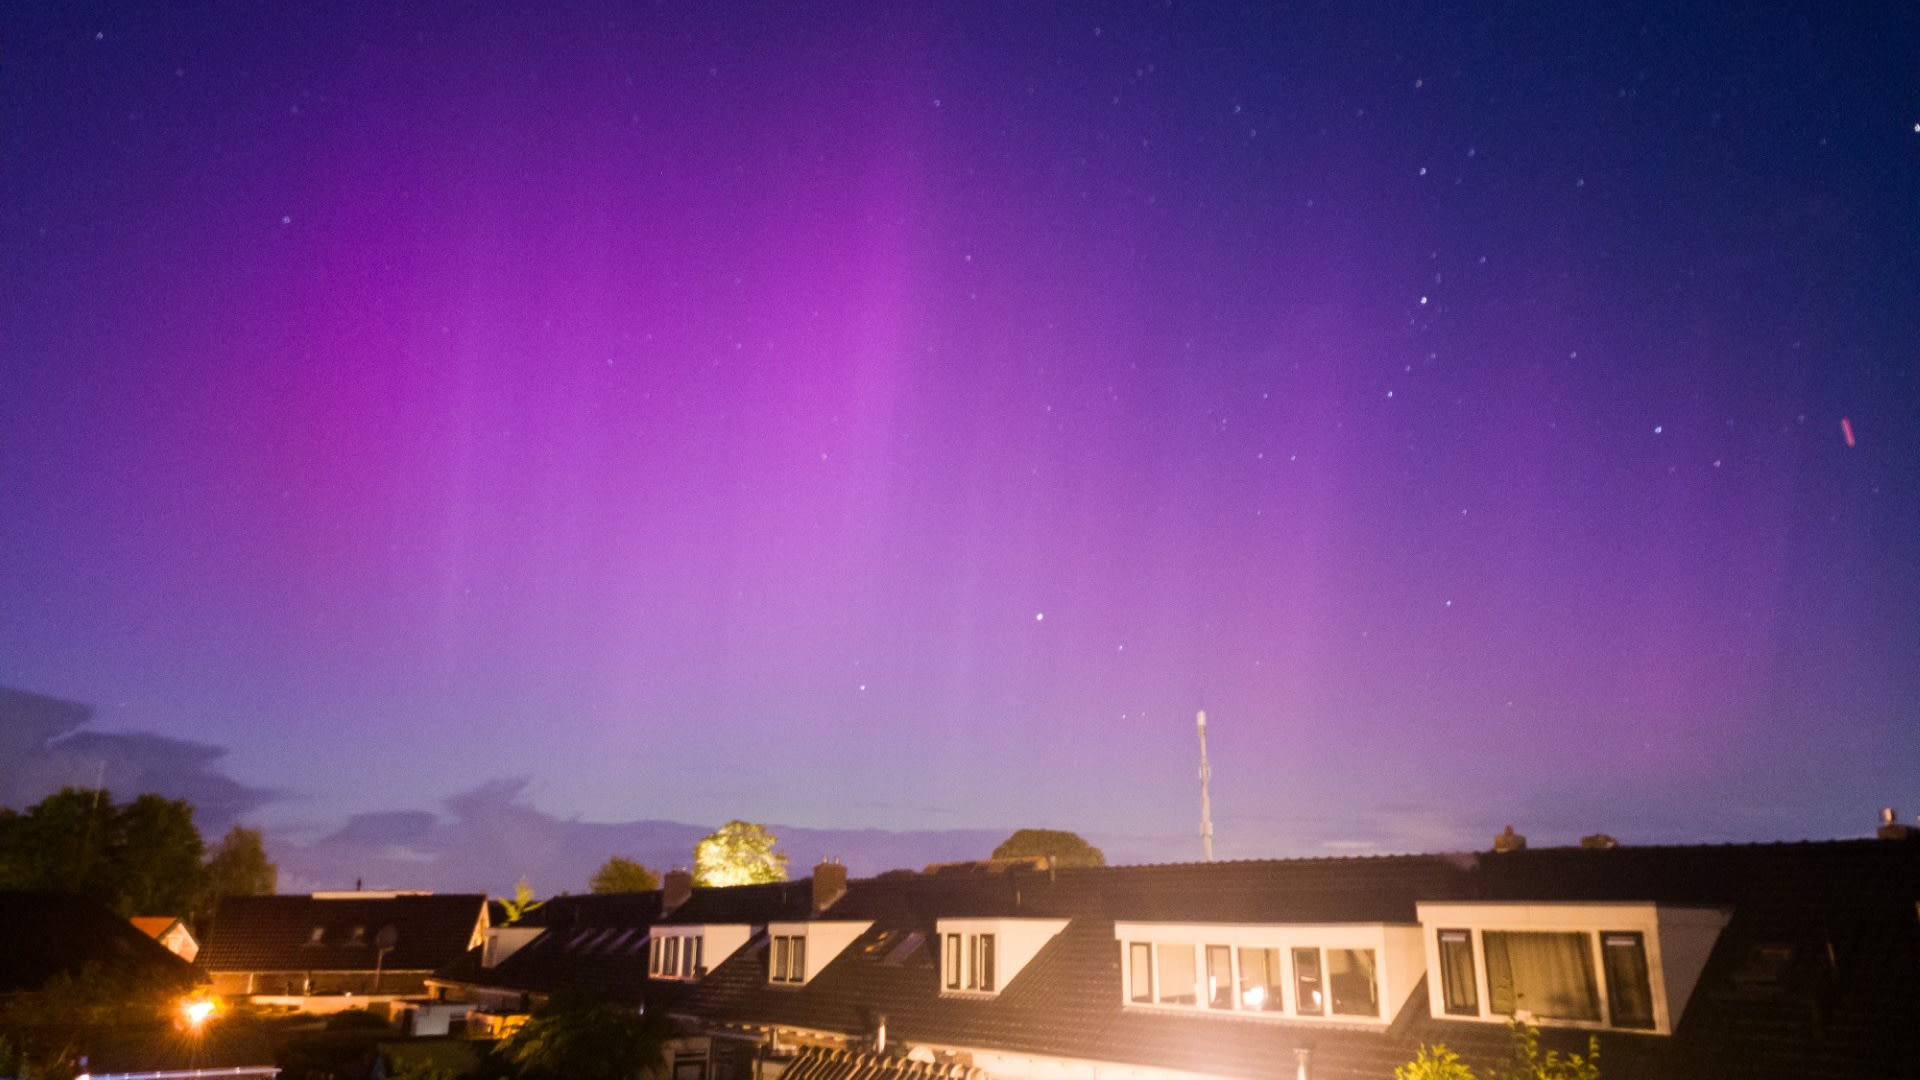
(46, 935)
(154, 925)
(328, 933)
(1853, 901)
(589, 944)
(744, 904)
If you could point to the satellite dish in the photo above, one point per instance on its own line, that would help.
(387, 938)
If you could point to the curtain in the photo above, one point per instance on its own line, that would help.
(1549, 975)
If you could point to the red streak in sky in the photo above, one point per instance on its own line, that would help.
(1846, 428)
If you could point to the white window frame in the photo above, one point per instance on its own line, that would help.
(1398, 965)
(794, 971)
(1005, 946)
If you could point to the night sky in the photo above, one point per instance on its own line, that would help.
(867, 415)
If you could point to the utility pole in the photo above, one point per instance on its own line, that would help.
(1206, 806)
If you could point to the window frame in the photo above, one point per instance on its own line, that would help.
(1300, 999)
(1273, 988)
(1613, 991)
(1222, 987)
(1674, 943)
(1136, 952)
(1263, 954)
(1470, 1006)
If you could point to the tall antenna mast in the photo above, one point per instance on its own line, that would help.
(1206, 806)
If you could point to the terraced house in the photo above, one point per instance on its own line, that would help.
(1782, 960)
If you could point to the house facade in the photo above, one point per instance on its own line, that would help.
(1785, 960)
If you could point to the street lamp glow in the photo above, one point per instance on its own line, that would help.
(197, 1011)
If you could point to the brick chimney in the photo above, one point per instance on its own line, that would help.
(676, 891)
(1509, 841)
(829, 884)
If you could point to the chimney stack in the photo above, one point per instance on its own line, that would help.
(829, 884)
(1599, 842)
(1509, 841)
(1890, 827)
(676, 891)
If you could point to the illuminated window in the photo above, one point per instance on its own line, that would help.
(953, 961)
(1260, 980)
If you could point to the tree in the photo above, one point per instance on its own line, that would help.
(1434, 1063)
(577, 1039)
(143, 858)
(620, 875)
(738, 853)
(1064, 848)
(240, 867)
(1524, 1061)
(522, 903)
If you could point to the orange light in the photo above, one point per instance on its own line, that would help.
(197, 1011)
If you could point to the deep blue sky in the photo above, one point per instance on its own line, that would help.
(868, 415)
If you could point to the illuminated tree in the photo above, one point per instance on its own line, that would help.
(522, 903)
(618, 875)
(738, 853)
(1064, 848)
(1434, 1063)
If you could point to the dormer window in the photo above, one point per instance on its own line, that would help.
(797, 951)
(1348, 972)
(687, 952)
(970, 961)
(980, 956)
(1605, 965)
(675, 956)
(789, 959)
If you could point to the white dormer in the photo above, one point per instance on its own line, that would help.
(1585, 965)
(979, 956)
(688, 952)
(1356, 973)
(797, 951)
